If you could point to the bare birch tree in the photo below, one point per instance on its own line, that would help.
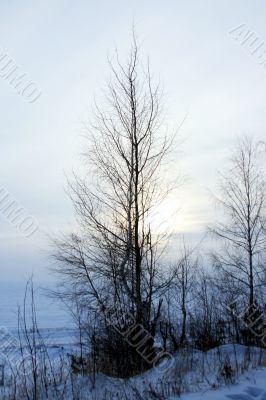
(114, 256)
(184, 282)
(243, 199)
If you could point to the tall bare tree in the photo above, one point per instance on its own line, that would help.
(243, 199)
(114, 256)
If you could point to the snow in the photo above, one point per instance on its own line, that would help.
(201, 380)
(251, 386)
(241, 391)
(195, 374)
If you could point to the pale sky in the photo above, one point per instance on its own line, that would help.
(63, 47)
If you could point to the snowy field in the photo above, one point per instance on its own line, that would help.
(55, 324)
(250, 387)
(193, 375)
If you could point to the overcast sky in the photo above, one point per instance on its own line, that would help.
(206, 74)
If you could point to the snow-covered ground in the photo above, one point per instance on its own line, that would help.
(192, 375)
(195, 375)
(54, 321)
(251, 386)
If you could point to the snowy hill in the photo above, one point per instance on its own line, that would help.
(226, 372)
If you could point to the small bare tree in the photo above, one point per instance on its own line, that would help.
(243, 199)
(206, 320)
(185, 277)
